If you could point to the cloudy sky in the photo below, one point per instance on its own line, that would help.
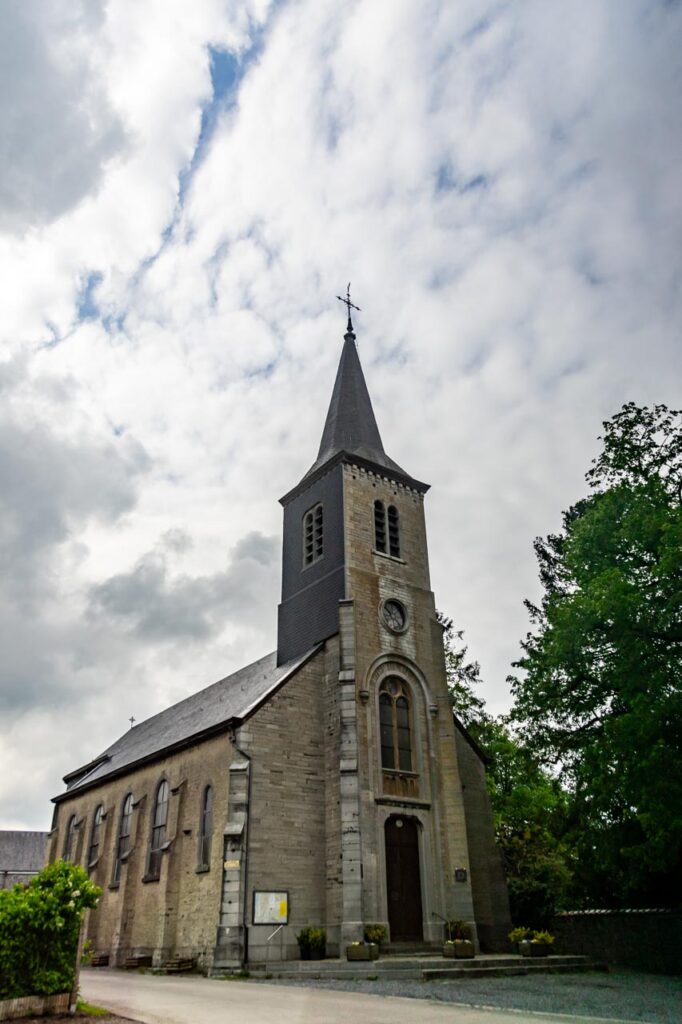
(184, 189)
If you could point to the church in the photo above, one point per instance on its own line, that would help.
(328, 784)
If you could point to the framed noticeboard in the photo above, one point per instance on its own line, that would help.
(270, 907)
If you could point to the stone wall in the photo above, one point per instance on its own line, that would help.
(178, 913)
(292, 846)
(491, 900)
(649, 940)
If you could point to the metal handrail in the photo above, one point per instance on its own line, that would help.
(274, 933)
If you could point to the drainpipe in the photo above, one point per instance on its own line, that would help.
(233, 739)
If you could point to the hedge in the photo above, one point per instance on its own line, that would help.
(39, 929)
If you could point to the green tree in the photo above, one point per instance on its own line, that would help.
(600, 696)
(463, 676)
(529, 806)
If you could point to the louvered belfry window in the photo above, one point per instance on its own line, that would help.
(379, 527)
(393, 532)
(313, 535)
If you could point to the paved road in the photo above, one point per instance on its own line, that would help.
(154, 999)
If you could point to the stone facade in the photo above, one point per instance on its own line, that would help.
(306, 800)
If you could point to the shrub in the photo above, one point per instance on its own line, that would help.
(318, 939)
(39, 929)
(519, 935)
(303, 939)
(542, 937)
(457, 930)
(376, 933)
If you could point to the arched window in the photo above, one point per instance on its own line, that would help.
(123, 838)
(93, 852)
(158, 836)
(394, 722)
(69, 838)
(393, 532)
(206, 829)
(379, 526)
(313, 535)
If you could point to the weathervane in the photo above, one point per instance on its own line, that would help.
(349, 305)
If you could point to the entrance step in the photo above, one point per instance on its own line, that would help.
(425, 968)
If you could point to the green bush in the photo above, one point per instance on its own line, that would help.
(39, 929)
(457, 930)
(318, 939)
(376, 933)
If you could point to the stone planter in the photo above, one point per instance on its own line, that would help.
(461, 949)
(364, 951)
(34, 1006)
(317, 954)
(533, 948)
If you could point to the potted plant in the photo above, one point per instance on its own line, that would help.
(376, 934)
(539, 944)
(303, 939)
(362, 951)
(459, 945)
(519, 935)
(318, 943)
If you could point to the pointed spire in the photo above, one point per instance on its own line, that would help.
(351, 428)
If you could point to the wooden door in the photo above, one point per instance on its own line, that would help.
(403, 880)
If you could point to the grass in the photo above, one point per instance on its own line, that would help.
(88, 1010)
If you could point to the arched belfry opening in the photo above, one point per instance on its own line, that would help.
(403, 879)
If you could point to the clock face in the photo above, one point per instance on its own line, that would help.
(394, 615)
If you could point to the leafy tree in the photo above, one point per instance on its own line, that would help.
(462, 676)
(531, 815)
(529, 806)
(601, 693)
(39, 929)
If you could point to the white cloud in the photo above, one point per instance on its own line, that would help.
(500, 184)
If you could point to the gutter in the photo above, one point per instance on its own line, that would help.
(247, 758)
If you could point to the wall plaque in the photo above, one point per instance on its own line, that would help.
(270, 907)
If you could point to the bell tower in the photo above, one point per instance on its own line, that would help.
(408, 842)
(318, 516)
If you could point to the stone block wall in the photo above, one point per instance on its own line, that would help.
(647, 940)
(178, 913)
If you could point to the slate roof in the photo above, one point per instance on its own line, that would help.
(351, 428)
(206, 712)
(22, 851)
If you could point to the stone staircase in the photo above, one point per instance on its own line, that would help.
(420, 966)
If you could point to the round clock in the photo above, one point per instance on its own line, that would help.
(394, 615)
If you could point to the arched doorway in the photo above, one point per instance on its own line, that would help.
(403, 880)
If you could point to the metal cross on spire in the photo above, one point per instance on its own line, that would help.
(132, 721)
(349, 305)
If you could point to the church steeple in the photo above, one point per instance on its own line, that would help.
(316, 510)
(350, 430)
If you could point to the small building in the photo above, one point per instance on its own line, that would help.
(327, 784)
(22, 855)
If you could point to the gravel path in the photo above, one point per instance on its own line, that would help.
(618, 995)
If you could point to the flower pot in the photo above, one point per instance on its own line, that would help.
(362, 951)
(527, 948)
(464, 950)
(317, 954)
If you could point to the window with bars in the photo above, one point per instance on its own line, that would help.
(93, 852)
(313, 535)
(380, 526)
(394, 725)
(69, 839)
(123, 837)
(158, 836)
(393, 532)
(206, 829)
